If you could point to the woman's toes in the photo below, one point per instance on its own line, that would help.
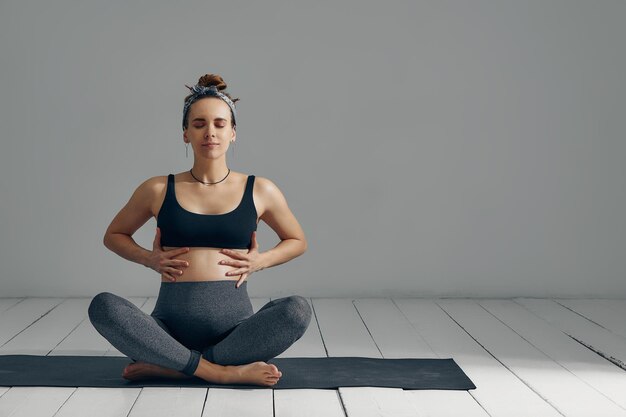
(127, 370)
(275, 370)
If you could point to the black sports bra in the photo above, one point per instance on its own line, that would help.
(182, 228)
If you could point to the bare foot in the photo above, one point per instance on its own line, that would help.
(144, 370)
(256, 373)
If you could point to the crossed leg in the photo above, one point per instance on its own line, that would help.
(264, 335)
(142, 337)
(138, 335)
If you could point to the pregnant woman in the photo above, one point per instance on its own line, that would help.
(205, 248)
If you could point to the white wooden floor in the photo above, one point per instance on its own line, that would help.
(527, 357)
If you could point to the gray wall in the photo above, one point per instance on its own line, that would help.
(428, 148)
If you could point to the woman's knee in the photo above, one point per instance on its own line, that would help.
(100, 306)
(298, 310)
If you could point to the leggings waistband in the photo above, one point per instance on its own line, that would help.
(209, 282)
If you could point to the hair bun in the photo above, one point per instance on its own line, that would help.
(208, 80)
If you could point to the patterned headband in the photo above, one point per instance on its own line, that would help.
(198, 92)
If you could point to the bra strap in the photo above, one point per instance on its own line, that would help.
(249, 189)
(250, 185)
(170, 185)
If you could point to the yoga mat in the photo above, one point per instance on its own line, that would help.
(322, 373)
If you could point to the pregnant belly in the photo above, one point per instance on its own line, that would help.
(203, 265)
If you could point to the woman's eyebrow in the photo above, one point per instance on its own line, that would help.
(204, 119)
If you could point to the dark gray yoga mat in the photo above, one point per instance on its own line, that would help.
(330, 373)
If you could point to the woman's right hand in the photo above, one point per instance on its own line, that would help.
(161, 261)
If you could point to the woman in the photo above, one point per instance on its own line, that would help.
(205, 248)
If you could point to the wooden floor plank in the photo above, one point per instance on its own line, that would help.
(345, 334)
(320, 402)
(499, 391)
(596, 371)
(20, 317)
(566, 392)
(42, 336)
(33, 401)
(610, 314)
(598, 339)
(395, 337)
(7, 303)
(227, 402)
(99, 402)
(391, 332)
(169, 401)
(307, 402)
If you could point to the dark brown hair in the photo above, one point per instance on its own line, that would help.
(208, 80)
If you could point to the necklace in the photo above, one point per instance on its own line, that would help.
(209, 183)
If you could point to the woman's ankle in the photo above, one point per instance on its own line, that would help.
(212, 372)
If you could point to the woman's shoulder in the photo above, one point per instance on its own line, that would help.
(156, 181)
(267, 189)
(153, 186)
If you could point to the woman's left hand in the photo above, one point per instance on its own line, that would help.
(248, 263)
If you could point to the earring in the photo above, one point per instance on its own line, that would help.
(186, 148)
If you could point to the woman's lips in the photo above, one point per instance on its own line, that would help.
(211, 145)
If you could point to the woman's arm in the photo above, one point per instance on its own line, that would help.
(285, 251)
(118, 236)
(279, 217)
(126, 247)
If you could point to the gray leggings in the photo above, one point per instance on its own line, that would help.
(212, 319)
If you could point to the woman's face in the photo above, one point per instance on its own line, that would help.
(209, 121)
